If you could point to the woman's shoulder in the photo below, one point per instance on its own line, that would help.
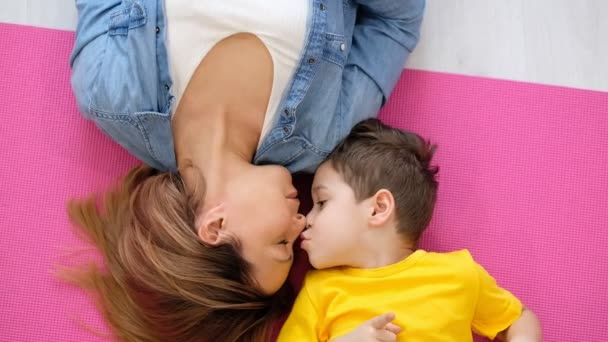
(120, 77)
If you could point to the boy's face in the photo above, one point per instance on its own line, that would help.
(336, 222)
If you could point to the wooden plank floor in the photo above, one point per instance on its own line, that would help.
(559, 42)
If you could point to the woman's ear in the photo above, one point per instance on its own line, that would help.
(382, 207)
(211, 224)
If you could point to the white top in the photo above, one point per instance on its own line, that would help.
(195, 26)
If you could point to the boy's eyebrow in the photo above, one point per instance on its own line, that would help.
(318, 187)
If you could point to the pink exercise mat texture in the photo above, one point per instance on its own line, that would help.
(523, 183)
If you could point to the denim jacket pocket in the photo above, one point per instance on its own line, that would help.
(124, 82)
(132, 14)
(335, 49)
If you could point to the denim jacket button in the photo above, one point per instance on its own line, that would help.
(311, 61)
(287, 113)
(286, 130)
(322, 7)
(342, 47)
(157, 29)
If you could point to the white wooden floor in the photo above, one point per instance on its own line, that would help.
(558, 42)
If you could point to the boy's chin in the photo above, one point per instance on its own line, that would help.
(314, 262)
(320, 264)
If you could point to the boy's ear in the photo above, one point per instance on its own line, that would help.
(382, 207)
(211, 224)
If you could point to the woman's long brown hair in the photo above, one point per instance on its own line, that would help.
(160, 282)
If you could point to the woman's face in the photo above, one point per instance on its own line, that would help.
(262, 213)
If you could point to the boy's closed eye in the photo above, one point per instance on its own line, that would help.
(320, 204)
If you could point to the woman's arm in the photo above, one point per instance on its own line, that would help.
(385, 33)
(525, 329)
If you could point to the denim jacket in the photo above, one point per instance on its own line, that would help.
(352, 58)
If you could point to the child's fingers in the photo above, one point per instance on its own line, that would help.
(385, 336)
(395, 329)
(379, 322)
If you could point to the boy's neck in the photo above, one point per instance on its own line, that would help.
(382, 247)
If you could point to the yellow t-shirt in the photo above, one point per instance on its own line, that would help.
(435, 297)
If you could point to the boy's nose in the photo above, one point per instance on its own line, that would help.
(310, 219)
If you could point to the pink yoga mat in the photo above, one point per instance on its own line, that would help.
(523, 182)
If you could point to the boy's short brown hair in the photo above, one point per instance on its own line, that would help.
(375, 156)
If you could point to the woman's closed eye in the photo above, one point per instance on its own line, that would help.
(286, 254)
(320, 204)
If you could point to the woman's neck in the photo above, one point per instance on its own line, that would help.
(218, 122)
(212, 133)
(215, 145)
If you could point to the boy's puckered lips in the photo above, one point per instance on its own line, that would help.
(305, 237)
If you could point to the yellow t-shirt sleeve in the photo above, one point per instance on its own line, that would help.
(496, 307)
(303, 321)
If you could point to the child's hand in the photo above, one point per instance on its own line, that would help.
(377, 329)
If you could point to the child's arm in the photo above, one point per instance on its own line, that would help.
(525, 329)
(499, 314)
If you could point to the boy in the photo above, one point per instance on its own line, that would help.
(373, 198)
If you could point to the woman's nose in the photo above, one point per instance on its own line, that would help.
(300, 224)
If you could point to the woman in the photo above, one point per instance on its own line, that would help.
(220, 101)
